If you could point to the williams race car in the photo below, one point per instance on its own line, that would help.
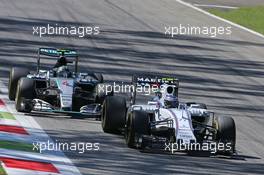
(165, 121)
(59, 89)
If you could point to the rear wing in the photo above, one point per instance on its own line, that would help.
(52, 52)
(151, 81)
(155, 80)
(57, 52)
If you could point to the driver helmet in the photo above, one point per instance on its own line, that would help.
(62, 61)
(171, 101)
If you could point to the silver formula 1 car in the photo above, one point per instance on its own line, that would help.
(58, 89)
(164, 120)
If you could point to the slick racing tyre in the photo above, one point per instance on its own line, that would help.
(25, 94)
(137, 125)
(15, 74)
(113, 114)
(99, 77)
(226, 133)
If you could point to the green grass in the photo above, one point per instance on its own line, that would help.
(2, 171)
(250, 17)
(17, 146)
(7, 115)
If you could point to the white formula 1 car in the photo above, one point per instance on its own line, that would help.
(165, 121)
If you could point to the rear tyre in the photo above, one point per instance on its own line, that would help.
(25, 94)
(137, 124)
(99, 77)
(113, 114)
(15, 74)
(226, 134)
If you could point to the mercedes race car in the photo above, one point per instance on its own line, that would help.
(58, 89)
(163, 120)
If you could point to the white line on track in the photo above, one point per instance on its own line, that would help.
(219, 18)
(215, 6)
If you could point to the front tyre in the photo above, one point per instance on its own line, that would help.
(226, 134)
(15, 74)
(137, 125)
(113, 114)
(25, 94)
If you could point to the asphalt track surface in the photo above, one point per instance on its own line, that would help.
(225, 72)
